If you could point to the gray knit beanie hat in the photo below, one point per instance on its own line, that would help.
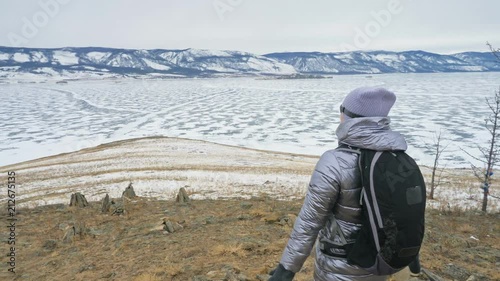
(368, 102)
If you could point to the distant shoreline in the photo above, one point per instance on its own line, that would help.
(117, 142)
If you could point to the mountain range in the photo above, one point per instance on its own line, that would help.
(93, 62)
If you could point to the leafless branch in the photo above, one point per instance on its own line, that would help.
(474, 157)
(495, 52)
(478, 173)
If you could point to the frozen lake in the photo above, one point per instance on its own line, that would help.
(298, 116)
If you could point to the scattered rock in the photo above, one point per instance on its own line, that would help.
(472, 278)
(262, 277)
(436, 247)
(288, 220)
(109, 275)
(210, 220)
(472, 242)
(59, 207)
(455, 242)
(431, 276)
(129, 192)
(86, 267)
(78, 200)
(246, 205)
(200, 278)
(456, 272)
(106, 204)
(50, 245)
(244, 217)
(271, 218)
(216, 275)
(117, 208)
(182, 196)
(233, 274)
(77, 230)
(171, 227)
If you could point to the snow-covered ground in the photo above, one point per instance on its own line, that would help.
(297, 116)
(158, 167)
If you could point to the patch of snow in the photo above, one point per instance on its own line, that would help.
(122, 60)
(47, 71)
(4, 56)
(39, 57)
(155, 65)
(65, 57)
(473, 68)
(387, 57)
(206, 53)
(218, 68)
(20, 57)
(344, 56)
(98, 56)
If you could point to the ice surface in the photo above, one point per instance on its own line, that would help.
(298, 116)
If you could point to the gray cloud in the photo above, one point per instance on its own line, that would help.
(258, 26)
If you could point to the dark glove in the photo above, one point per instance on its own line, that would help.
(281, 274)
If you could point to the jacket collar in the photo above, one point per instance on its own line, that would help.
(370, 133)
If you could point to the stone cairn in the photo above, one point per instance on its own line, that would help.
(106, 204)
(182, 196)
(129, 192)
(78, 200)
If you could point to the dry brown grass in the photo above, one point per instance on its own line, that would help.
(229, 250)
(466, 228)
(218, 236)
(148, 277)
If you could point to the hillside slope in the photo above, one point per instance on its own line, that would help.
(96, 62)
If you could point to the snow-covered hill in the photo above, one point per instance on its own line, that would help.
(387, 62)
(78, 62)
(93, 62)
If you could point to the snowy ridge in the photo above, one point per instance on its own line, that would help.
(92, 62)
(78, 62)
(387, 62)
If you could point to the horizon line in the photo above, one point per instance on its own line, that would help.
(233, 50)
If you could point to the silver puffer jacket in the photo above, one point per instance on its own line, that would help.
(333, 199)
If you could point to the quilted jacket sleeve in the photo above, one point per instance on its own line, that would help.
(318, 205)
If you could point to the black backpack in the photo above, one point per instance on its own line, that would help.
(393, 203)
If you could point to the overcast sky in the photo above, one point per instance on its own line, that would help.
(258, 26)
